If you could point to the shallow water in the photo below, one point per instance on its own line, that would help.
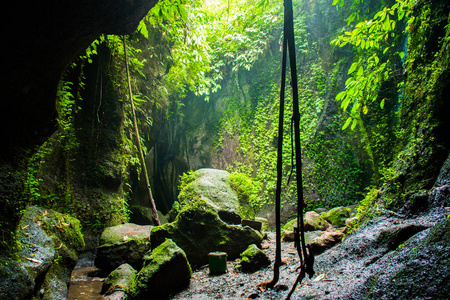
(85, 283)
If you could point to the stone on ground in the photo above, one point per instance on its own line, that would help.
(198, 230)
(337, 216)
(253, 259)
(313, 221)
(50, 245)
(126, 243)
(325, 241)
(119, 283)
(166, 270)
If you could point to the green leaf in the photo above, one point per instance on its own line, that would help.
(349, 120)
(340, 96)
(352, 68)
(183, 13)
(401, 54)
(382, 104)
(365, 109)
(345, 103)
(360, 71)
(354, 124)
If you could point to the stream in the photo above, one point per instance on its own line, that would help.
(85, 280)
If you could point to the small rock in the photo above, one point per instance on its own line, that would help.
(349, 221)
(253, 259)
(119, 282)
(325, 241)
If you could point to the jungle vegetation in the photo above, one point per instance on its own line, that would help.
(352, 86)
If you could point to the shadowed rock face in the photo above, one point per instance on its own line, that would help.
(44, 37)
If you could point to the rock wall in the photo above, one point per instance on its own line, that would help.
(46, 37)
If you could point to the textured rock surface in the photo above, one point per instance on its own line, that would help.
(166, 270)
(337, 216)
(325, 241)
(313, 221)
(119, 282)
(198, 230)
(253, 259)
(50, 245)
(126, 243)
(213, 186)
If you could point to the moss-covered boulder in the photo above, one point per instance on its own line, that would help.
(166, 270)
(50, 243)
(337, 216)
(313, 221)
(214, 187)
(119, 283)
(253, 259)
(126, 243)
(198, 230)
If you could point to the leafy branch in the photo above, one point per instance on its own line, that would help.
(371, 41)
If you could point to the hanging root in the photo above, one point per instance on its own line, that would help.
(307, 267)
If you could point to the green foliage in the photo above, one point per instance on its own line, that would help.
(372, 41)
(247, 192)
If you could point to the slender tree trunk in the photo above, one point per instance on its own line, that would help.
(138, 142)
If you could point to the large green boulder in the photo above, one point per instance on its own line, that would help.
(198, 230)
(125, 243)
(50, 243)
(214, 187)
(166, 270)
(337, 216)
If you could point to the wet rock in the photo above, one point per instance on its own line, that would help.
(325, 241)
(16, 283)
(126, 243)
(417, 269)
(142, 215)
(396, 235)
(198, 230)
(166, 270)
(337, 216)
(214, 187)
(50, 245)
(119, 283)
(253, 259)
(313, 221)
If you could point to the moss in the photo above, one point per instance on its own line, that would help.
(66, 230)
(337, 216)
(198, 230)
(166, 269)
(253, 259)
